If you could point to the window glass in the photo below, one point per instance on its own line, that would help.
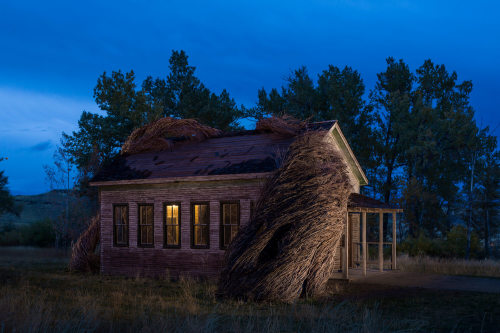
(230, 222)
(146, 231)
(201, 223)
(120, 225)
(172, 225)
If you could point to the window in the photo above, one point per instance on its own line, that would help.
(230, 222)
(120, 225)
(172, 228)
(145, 231)
(200, 225)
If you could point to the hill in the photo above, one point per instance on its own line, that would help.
(38, 207)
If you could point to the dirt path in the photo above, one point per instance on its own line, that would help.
(429, 281)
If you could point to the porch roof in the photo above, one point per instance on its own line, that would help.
(362, 203)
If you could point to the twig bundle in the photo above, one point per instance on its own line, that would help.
(83, 256)
(286, 125)
(161, 135)
(288, 249)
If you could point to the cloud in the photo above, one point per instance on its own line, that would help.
(31, 122)
(42, 146)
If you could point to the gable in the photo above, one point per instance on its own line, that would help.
(351, 160)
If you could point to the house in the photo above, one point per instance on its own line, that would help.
(173, 211)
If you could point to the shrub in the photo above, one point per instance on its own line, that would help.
(453, 246)
(456, 243)
(39, 234)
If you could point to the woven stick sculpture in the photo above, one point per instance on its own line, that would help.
(288, 249)
(83, 256)
(163, 133)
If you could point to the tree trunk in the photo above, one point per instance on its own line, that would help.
(469, 220)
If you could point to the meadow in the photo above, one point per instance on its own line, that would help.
(38, 294)
(450, 266)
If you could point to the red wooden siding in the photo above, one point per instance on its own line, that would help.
(156, 261)
(160, 261)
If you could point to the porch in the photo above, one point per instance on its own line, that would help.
(356, 258)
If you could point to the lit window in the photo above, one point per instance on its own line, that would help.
(172, 225)
(200, 215)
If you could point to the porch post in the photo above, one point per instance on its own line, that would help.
(381, 241)
(363, 231)
(346, 247)
(393, 240)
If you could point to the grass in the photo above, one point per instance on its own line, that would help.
(484, 268)
(37, 293)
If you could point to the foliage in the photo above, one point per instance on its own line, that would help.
(39, 234)
(7, 204)
(127, 107)
(453, 246)
(337, 94)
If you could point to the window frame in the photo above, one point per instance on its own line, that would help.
(115, 244)
(193, 246)
(221, 217)
(139, 232)
(165, 245)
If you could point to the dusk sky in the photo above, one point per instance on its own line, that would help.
(53, 51)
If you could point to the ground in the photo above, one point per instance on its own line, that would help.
(37, 293)
(428, 281)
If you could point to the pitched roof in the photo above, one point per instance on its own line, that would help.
(235, 153)
(252, 152)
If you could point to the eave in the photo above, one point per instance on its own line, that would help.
(243, 176)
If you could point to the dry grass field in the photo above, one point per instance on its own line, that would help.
(38, 294)
(484, 268)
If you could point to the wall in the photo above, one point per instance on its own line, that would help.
(158, 261)
(161, 262)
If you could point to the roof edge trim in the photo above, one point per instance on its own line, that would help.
(239, 176)
(351, 158)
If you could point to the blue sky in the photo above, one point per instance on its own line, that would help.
(52, 52)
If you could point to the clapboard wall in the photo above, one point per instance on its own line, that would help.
(159, 261)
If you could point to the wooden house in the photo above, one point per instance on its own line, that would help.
(174, 212)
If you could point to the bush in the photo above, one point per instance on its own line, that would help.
(39, 234)
(422, 245)
(456, 243)
(453, 246)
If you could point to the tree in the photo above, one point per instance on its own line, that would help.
(392, 99)
(444, 130)
(489, 196)
(60, 176)
(7, 204)
(127, 107)
(298, 98)
(338, 95)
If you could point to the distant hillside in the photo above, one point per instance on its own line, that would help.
(37, 207)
